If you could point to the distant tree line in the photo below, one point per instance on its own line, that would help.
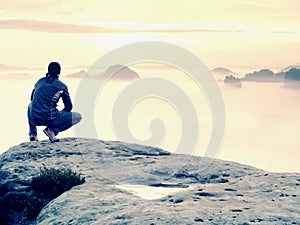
(232, 81)
(290, 78)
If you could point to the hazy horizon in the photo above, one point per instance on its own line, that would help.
(261, 120)
(13, 72)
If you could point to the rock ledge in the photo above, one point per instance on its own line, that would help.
(224, 193)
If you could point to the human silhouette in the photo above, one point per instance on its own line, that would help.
(42, 110)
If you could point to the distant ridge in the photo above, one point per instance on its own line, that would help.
(120, 73)
(264, 75)
(114, 72)
(287, 68)
(222, 71)
(80, 74)
(232, 81)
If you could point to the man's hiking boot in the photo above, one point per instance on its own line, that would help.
(51, 135)
(33, 138)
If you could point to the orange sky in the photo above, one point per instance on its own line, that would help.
(228, 33)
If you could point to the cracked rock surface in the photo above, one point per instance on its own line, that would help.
(211, 191)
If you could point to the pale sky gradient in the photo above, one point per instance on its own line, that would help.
(229, 33)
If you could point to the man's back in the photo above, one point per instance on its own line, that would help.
(46, 94)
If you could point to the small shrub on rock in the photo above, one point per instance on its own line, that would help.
(53, 182)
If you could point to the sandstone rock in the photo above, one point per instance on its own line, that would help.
(223, 193)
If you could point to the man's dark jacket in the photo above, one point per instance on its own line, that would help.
(45, 96)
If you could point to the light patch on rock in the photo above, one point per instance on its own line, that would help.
(149, 193)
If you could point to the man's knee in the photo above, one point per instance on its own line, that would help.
(76, 117)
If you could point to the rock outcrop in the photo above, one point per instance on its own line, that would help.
(287, 68)
(120, 73)
(80, 74)
(232, 81)
(264, 75)
(114, 73)
(292, 79)
(221, 72)
(223, 193)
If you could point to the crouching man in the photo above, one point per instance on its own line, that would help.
(42, 110)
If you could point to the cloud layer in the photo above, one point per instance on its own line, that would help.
(4, 67)
(55, 27)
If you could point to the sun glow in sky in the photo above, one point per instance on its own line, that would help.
(228, 33)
